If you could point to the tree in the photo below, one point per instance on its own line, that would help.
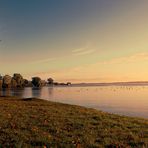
(50, 81)
(1, 81)
(7, 81)
(36, 81)
(19, 80)
(25, 82)
(68, 83)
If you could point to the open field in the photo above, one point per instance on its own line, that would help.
(39, 123)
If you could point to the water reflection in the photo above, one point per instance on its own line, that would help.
(5, 92)
(126, 100)
(37, 92)
(17, 92)
(50, 91)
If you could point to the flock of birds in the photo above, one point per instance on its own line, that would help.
(105, 88)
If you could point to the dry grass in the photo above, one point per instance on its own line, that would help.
(38, 123)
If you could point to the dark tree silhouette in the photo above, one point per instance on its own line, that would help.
(25, 82)
(68, 83)
(36, 81)
(50, 81)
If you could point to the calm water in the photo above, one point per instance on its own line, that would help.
(124, 100)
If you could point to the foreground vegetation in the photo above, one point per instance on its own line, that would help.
(38, 123)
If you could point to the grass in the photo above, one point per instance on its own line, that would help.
(38, 123)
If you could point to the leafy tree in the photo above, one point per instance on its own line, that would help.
(36, 81)
(50, 81)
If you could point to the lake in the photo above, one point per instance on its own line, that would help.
(123, 100)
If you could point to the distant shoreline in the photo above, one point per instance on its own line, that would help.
(130, 83)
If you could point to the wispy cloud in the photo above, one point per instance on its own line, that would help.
(83, 50)
(75, 52)
(79, 49)
(103, 71)
(128, 59)
(43, 61)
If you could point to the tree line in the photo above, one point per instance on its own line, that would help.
(17, 81)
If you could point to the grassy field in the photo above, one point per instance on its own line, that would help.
(38, 123)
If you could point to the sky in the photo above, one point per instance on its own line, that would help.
(75, 40)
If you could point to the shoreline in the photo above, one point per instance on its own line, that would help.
(36, 123)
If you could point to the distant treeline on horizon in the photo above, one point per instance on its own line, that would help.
(17, 81)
